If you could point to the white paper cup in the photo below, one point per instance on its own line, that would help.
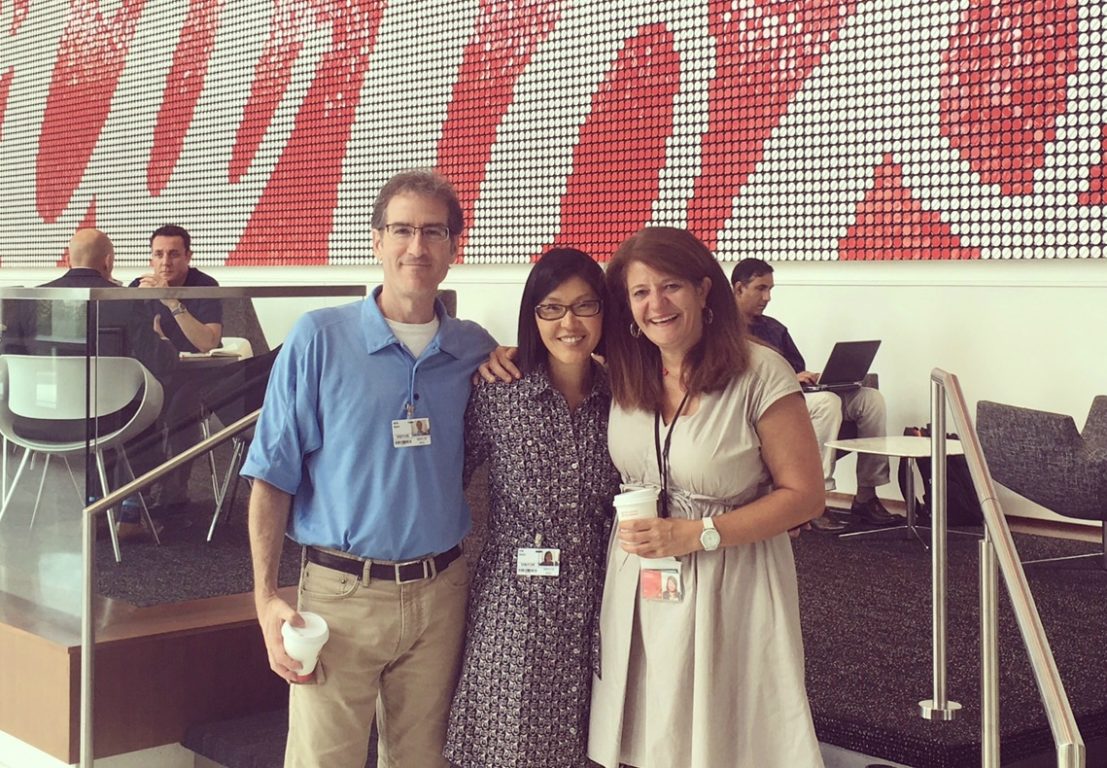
(304, 643)
(637, 504)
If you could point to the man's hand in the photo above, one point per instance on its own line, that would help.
(499, 366)
(272, 613)
(808, 377)
(660, 536)
(156, 281)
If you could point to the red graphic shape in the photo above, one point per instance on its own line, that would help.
(501, 47)
(90, 59)
(1003, 86)
(19, 12)
(764, 51)
(1097, 186)
(302, 192)
(88, 222)
(182, 91)
(272, 76)
(616, 177)
(5, 88)
(892, 224)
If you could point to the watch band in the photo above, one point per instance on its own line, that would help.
(180, 310)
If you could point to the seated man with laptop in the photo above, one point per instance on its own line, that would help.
(832, 397)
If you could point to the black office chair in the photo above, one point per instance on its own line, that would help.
(1041, 456)
(241, 321)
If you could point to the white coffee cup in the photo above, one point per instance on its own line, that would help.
(304, 643)
(636, 504)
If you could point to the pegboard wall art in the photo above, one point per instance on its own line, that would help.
(815, 130)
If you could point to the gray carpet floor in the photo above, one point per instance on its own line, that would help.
(865, 606)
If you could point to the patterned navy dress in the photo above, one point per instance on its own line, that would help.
(525, 688)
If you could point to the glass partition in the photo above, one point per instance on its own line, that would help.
(99, 384)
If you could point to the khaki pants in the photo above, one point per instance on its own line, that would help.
(866, 408)
(394, 652)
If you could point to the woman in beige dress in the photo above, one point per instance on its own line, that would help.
(718, 425)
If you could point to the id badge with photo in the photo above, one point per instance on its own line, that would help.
(409, 433)
(533, 561)
(661, 583)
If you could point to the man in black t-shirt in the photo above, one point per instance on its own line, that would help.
(193, 325)
(190, 325)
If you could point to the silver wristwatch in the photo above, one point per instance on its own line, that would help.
(710, 537)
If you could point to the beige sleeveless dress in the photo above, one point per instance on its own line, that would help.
(717, 680)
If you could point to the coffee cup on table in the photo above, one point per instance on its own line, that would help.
(304, 643)
(636, 504)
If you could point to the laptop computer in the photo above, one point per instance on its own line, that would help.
(848, 365)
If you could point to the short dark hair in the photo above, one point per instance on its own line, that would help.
(749, 269)
(427, 183)
(634, 363)
(172, 230)
(554, 268)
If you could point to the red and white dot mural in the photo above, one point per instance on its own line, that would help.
(814, 130)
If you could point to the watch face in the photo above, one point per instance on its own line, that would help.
(710, 539)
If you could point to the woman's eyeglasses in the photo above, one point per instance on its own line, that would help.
(587, 308)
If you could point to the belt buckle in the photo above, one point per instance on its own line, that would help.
(429, 570)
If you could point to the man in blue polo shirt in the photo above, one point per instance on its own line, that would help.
(358, 458)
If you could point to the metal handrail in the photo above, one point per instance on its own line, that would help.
(88, 528)
(998, 545)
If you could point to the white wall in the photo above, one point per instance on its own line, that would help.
(1024, 332)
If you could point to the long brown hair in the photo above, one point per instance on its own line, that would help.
(634, 364)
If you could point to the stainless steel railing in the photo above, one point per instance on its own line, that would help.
(88, 529)
(997, 547)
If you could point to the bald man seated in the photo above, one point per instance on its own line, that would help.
(91, 258)
(123, 330)
(123, 327)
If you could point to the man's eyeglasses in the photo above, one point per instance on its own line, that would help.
(587, 308)
(436, 233)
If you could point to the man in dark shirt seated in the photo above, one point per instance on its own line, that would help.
(122, 331)
(121, 328)
(753, 283)
(190, 325)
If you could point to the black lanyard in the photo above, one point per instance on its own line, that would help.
(663, 453)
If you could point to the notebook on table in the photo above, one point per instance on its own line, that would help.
(847, 367)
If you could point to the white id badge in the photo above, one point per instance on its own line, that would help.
(408, 433)
(533, 561)
(662, 584)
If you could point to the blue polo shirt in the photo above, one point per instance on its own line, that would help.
(325, 432)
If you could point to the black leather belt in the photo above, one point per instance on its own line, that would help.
(413, 570)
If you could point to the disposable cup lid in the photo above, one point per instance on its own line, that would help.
(315, 627)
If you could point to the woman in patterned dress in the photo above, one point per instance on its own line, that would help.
(522, 699)
(712, 676)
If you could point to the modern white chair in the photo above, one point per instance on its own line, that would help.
(36, 387)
